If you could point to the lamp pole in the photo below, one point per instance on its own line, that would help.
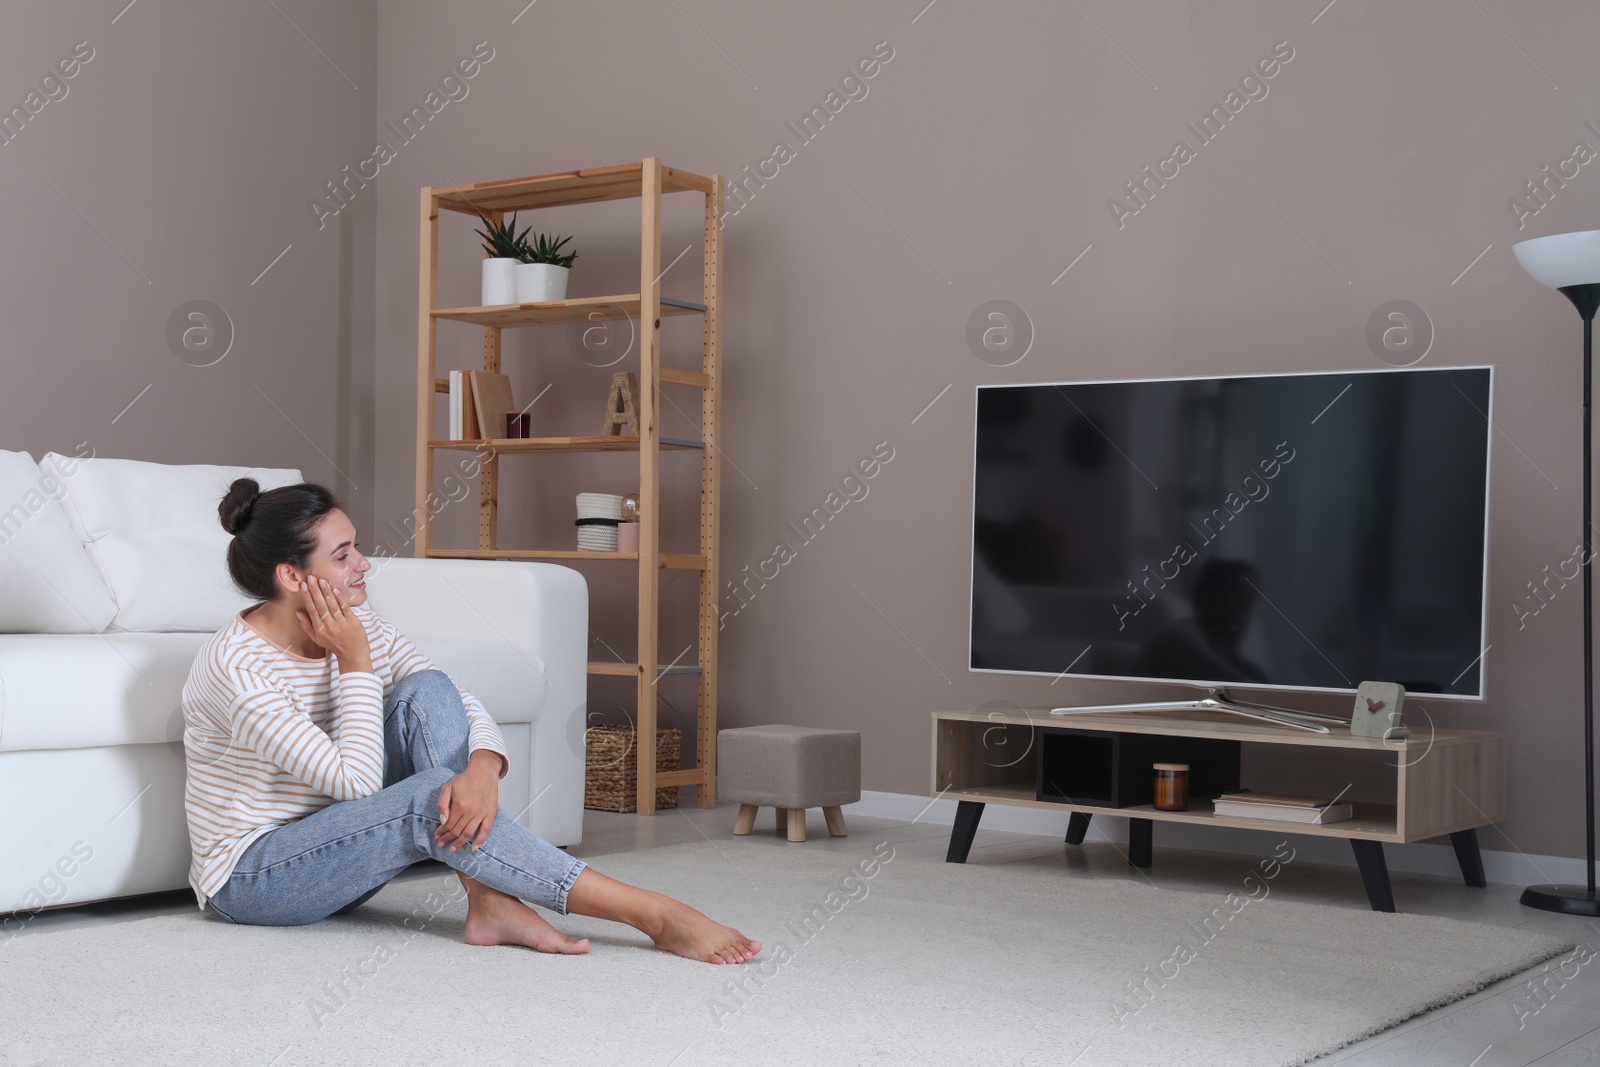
(1585, 298)
(1571, 899)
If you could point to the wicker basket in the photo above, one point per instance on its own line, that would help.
(610, 777)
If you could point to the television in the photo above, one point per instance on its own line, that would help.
(1298, 532)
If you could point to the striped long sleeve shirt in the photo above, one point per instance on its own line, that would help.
(270, 737)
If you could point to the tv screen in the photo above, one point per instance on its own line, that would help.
(1295, 531)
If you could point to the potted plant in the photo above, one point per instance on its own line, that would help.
(505, 248)
(542, 274)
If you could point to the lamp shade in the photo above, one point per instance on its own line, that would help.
(1562, 259)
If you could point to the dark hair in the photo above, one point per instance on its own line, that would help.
(277, 526)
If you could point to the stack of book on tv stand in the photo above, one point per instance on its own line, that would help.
(1282, 808)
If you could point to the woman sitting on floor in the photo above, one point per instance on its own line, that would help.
(326, 754)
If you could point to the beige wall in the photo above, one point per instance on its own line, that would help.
(979, 165)
(191, 141)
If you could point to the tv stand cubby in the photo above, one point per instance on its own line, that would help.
(1445, 783)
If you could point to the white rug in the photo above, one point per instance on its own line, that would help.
(916, 962)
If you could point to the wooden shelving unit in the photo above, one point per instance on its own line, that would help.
(647, 182)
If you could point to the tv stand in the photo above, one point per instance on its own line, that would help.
(1443, 785)
(1220, 700)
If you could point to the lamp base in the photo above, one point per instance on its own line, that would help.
(1566, 899)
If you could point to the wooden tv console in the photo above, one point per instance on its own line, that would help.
(1446, 782)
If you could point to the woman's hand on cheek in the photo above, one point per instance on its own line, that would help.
(334, 626)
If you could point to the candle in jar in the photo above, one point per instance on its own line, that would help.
(1172, 787)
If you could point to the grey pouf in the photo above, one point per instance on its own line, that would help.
(790, 768)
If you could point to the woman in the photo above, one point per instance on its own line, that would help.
(326, 755)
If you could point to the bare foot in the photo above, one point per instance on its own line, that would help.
(493, 918)
(689, 934)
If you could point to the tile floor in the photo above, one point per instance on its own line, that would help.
(1480, 1031)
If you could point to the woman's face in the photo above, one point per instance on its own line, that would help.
(337, 560)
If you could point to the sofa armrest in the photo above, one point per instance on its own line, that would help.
(539, 610)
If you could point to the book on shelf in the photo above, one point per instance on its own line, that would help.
(455, 405)
(491, 401)
(1282, 807)
(463, 415)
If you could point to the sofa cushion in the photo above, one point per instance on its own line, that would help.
(48, 584)
(152, 530)
(69, 691)
(93, 690)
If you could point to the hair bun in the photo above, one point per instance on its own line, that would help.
(234, 511)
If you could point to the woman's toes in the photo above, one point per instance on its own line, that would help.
(688, 933)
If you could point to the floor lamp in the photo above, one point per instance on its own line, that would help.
(1570, 262)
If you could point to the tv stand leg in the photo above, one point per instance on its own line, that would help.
(1140, 841)
(1470, 859)
(1077, 826)
(968, 812)
(1374, 873)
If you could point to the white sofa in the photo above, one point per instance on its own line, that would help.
(111, 578)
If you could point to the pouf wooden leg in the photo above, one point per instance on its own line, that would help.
(783, 815)
(746, 820)
(835, 819)
(797, 824)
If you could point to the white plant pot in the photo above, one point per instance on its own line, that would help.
(500, 281)
(538, 283)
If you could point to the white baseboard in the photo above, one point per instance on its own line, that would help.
(1513, 868)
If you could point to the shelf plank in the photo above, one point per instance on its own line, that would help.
(631, 670)
(674, 180)
(668, 375)
(1372, 822)
(621, 443)
(556, 312)
(567, 187)
(676, 376)
(688, 776)
(668, 560)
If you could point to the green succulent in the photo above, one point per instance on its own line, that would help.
(501, 240)
(546, 248)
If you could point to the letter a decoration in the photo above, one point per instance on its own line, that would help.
(622, 409)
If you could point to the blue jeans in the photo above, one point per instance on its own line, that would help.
(334, 859)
